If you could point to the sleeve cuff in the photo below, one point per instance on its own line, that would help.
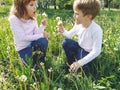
(64, 33)
(42, 27)
(80, 62)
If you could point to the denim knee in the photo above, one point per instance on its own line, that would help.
(43, 41)
(65, 43)
(26, 53)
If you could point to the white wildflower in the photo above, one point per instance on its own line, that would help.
(118, 69)
(106, 45)
(115, 49)
(55, 88)
(8, 48)
(17, 77)
(23, 78)
(42, 64)
(100, 87)
(53, 33)
(2, 79)
(59, 88)
(34, 84)
(32, 69)
(50, 70)
(58, 58)
(3, 73)
(104, 41)
(1, 85)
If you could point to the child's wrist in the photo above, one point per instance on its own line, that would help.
(80, 63)
(43, 25)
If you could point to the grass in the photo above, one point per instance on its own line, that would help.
(104, 70)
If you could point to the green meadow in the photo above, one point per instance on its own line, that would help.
(104, 71)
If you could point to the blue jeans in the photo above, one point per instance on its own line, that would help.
(73, 51)
(39, 45)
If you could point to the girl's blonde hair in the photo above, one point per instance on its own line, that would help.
(91, 7)
(18, 8)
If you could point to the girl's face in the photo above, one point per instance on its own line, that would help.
(31, 9)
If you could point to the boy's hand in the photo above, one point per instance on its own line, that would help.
(44, 22)
(74, 67)
(45, 34)
(60, 27)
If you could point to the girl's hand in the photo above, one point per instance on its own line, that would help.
(45, 34)
(44, 22)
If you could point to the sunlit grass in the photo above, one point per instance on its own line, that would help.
(104, 71)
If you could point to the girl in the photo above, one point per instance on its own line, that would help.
(27, 36)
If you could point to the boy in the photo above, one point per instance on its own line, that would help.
(89, 34)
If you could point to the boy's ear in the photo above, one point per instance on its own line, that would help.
(89, 16)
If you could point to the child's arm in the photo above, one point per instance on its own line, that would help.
(68, 34)
(41, 28)
(45, 34)
(96, 49)
(19, 32)
(43, 25)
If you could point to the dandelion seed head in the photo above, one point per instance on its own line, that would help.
(23, 78)
(60, 22)
(44, 15)
(58, 18)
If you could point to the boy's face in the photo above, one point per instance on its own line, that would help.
(31, 9)
(79, 16)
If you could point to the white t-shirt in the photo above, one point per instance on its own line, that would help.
(90, 39)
